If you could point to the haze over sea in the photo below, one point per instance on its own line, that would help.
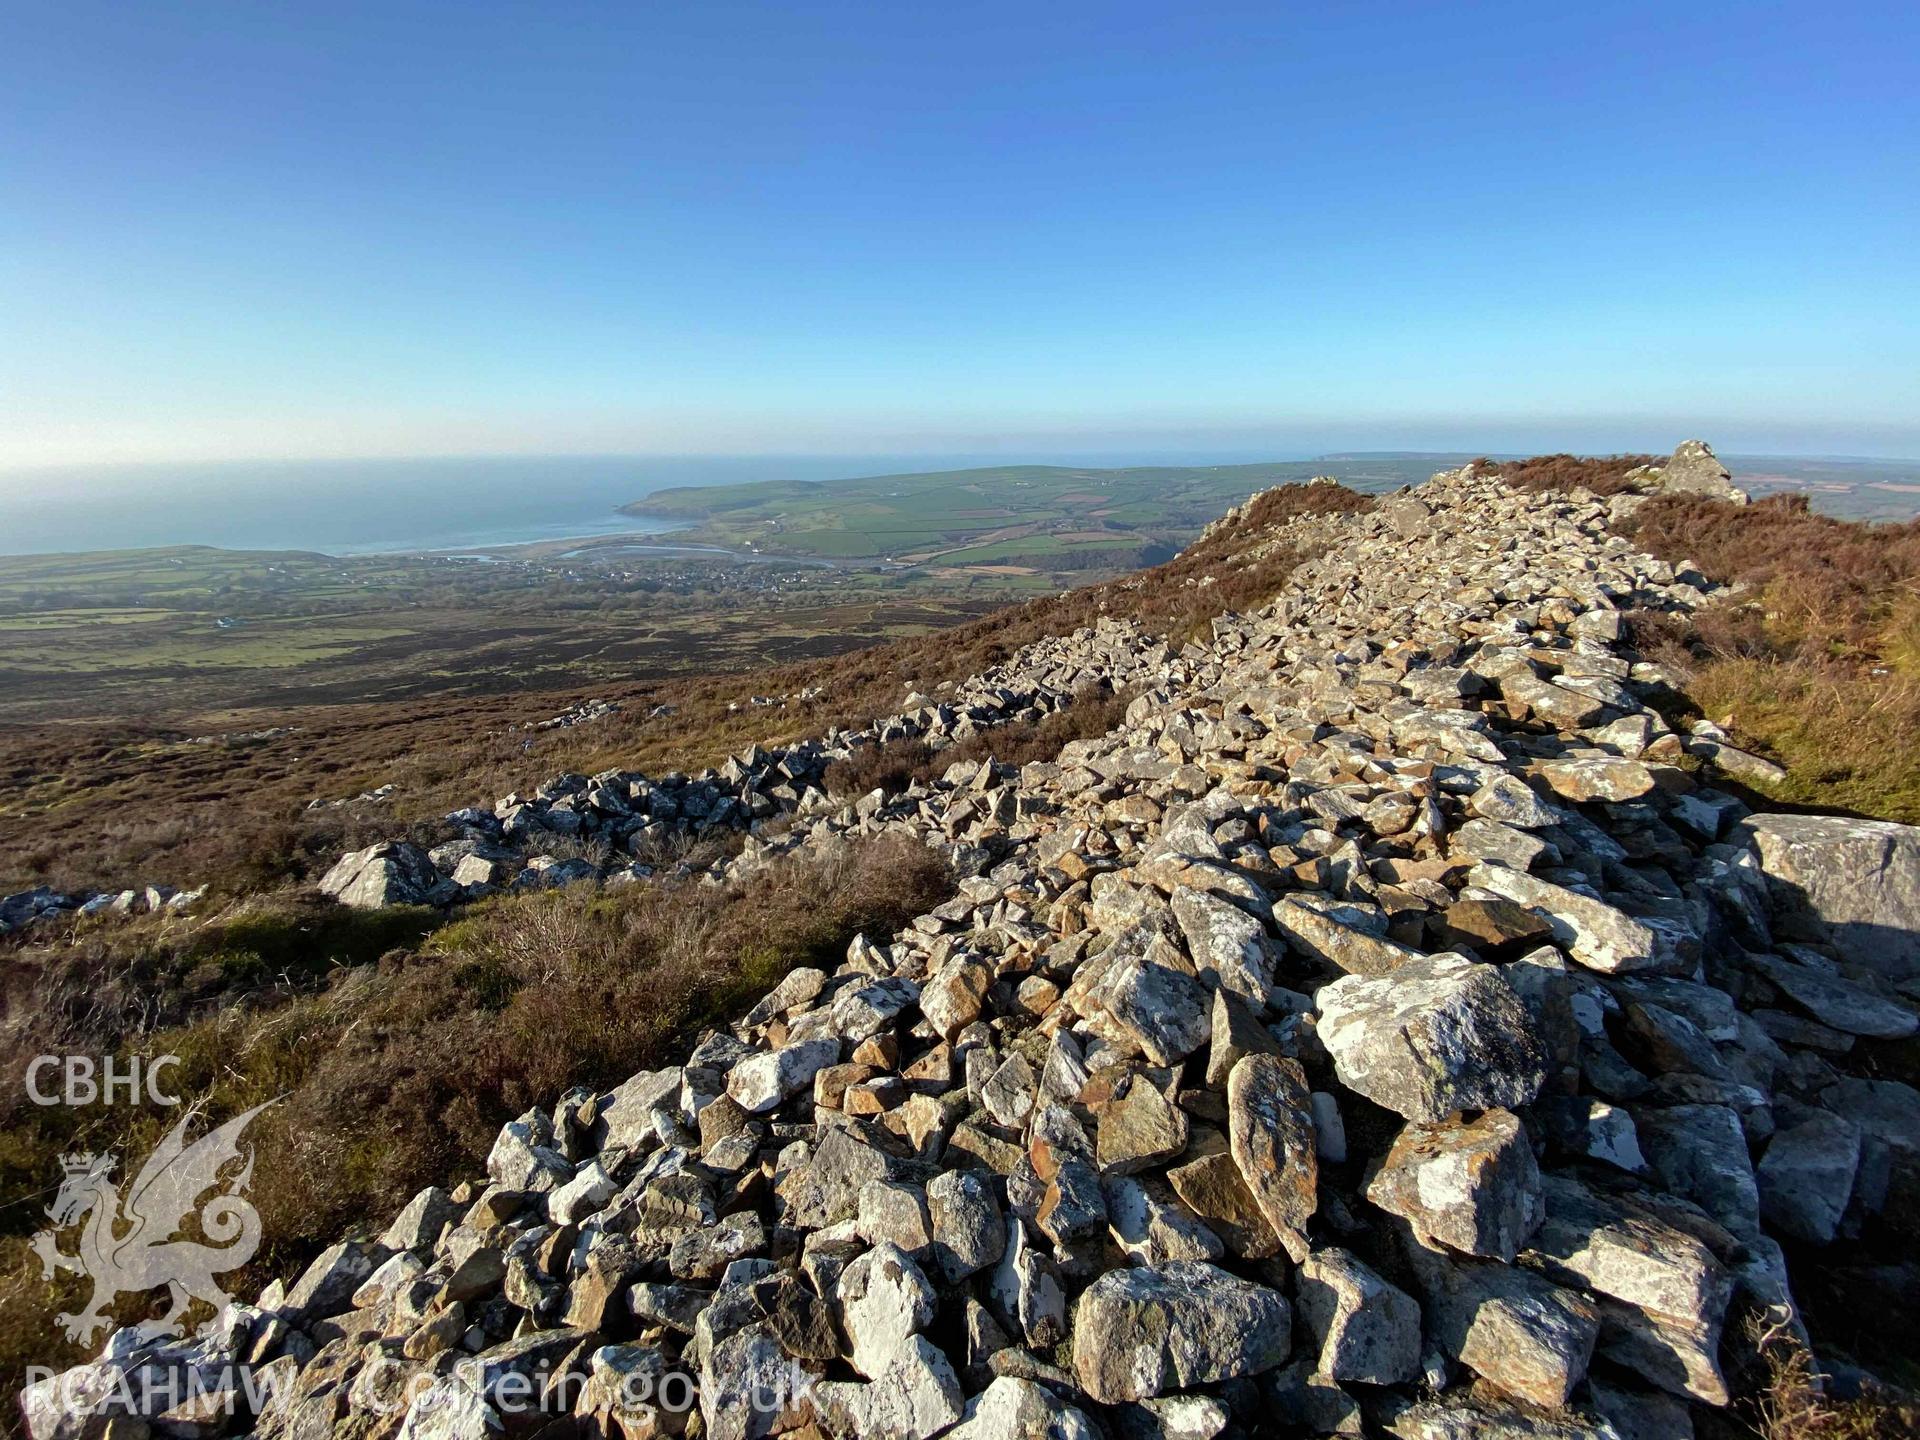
(355, 507)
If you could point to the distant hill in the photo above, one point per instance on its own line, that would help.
(1040, 515)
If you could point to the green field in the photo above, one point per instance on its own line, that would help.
(1011, 513)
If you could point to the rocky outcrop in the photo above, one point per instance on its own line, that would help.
(385, 874)
(1379, 1030)
(1693, 469)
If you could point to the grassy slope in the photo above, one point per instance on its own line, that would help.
(1816, 661)
(393, 1073)
(1817, 664)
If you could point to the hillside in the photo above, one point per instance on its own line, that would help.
(1334, 979)
(1046, 515)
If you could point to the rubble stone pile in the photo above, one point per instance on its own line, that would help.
(1388, 1028)
(621, 814)
(43, 903)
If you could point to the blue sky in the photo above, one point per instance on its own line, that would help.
(239, 230)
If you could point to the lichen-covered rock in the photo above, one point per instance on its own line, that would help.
(883, 1298)
(1662, 1293)
(1012, 1408)
(1162, 1013)
(916, 1396)
(1273, 1140)
(1517, 1331)
(1139, 1127)
(1229, 947)
(1214, 1189)
(1440, 1034)
(1806, 1177)
(1471, 1186)
(1364, 1328)
(1141, 1332)
(1693, 469)
(968, 1231)
(389, 873)
(760, 1082)
(1598, 935)
(1700, 1153)
(1351, 949)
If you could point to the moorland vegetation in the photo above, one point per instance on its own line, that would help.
(399, 1041)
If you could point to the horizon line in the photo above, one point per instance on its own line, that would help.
(1118, 455)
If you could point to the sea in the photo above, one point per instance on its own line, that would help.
(370, 507)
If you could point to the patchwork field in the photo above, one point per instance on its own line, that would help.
(1033, 513)
(192, 629)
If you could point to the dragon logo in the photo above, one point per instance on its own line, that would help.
(133, 1243)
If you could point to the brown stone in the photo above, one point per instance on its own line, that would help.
(880, 1051)
(1270, 1129)
(722, 1117)
(933, 1071)
(1036, 995)
(873, 1097)
(1073, 865)
(1498, 928)
(831, 1084)
(1139, 1128)
(1212, 1187)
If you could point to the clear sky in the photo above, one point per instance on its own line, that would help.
(309, 229)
